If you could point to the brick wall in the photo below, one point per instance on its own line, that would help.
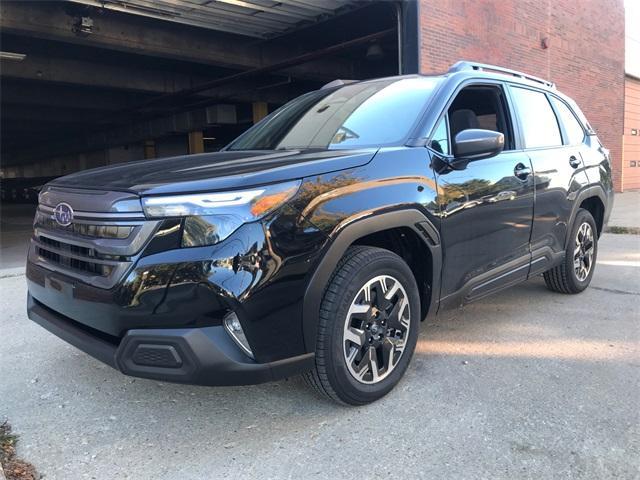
(584, 54)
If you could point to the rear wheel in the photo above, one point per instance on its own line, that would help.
(368, 327)
(574, 274)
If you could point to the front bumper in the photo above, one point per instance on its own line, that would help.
(260, 273)
(199, 355)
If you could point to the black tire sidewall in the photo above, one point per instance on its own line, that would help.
(346, 387)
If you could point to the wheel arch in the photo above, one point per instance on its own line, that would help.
(593, 199)
(397, 231)
(595, 206)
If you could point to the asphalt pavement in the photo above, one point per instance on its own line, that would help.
(524, 384)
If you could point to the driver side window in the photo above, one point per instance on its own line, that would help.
(474, 107)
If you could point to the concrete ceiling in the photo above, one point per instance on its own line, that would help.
(254, 18)
(128, 77)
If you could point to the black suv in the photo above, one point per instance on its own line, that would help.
(318, 240)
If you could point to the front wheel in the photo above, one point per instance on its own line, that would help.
(368, 327)
(574, 274)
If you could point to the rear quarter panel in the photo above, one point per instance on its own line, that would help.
(597, 162)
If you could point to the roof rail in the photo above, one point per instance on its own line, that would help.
(337, 83)
(464, 65)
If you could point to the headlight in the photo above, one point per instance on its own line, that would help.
(212, 217)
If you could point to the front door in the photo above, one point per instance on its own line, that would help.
(486, 209)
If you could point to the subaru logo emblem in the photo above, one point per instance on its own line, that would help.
(63, 214)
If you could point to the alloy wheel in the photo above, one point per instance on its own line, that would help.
(376, 329)
(583, 252)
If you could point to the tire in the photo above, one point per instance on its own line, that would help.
(353, 345)
(570, 277)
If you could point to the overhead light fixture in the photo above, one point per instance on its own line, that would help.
(83, 26)
(374, 52)
(16, 57)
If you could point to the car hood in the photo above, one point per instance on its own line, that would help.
(214, 171)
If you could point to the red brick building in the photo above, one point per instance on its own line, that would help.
(579, 45)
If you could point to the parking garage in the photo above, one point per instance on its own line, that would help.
(91, 83)
(87, 83)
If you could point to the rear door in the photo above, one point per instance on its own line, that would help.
(486, 209)
(553, 144)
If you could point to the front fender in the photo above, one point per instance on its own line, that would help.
(396, 189)
(345, 236)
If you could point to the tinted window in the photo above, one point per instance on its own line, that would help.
(539, 124)
(575, 134)
(366, 114)
(440, 139)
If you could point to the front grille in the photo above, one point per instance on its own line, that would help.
(74, 249)
(96, 248)
(54, 252)
(84, 229)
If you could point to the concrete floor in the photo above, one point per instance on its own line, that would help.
(525, 384)
(16, 222)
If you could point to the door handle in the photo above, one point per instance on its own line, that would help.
(521, 171)
(574, 162)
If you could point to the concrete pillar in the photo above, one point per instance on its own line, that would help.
(149, 149)
(260, 110)
(196, 143)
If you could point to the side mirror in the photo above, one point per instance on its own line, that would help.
(475, 144)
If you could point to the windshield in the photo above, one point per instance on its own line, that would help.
(369, 114)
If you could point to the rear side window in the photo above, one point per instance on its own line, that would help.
(539, 123)
(575, 133)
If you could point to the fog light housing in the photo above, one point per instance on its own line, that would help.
(234, 329)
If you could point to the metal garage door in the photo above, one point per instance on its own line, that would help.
(631, 147)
